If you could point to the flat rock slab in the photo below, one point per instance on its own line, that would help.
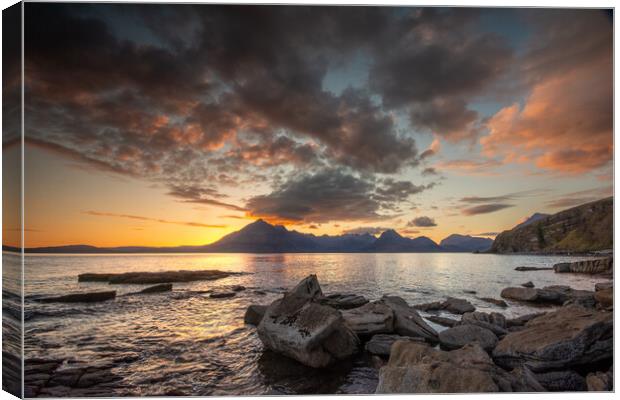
(443, 321)
(370, 319)
(380, 344)
(419, 368)
(460, 335)
(155, 277)
(497, 302)
(164, 287)
(556, 294)
(571, 336)
(597, 266)
(407, 321)
(343, 301)
(91, 297)
(451, 304)
(495, 322)
(524, 269)
(222, 295)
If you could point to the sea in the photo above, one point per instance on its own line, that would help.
(184, 342)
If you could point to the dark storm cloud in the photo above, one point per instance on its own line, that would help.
(485, 208)
(332, 195)
(422, 222)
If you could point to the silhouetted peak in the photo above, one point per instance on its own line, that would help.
(390, 234)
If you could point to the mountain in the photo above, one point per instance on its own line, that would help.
(391, 242)
(262, 237)
(458, 243)
(533, 218)
(588, 227)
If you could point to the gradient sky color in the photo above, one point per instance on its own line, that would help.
(166, 125)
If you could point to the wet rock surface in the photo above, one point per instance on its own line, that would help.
(254, 314)
(155, 277)
(570, 336)
(343, 301)
(164, 287)
(495, 322)
(451, 304)
(525, 269)
(370, 319)
(497, 302)
(562, 381)
(461, 335)
(443, 321)
(407, 321)
(380, 344)
(597, 266)
(222, 295)
(419, 368)
(91, 297)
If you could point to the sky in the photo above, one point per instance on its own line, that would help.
(164, 125)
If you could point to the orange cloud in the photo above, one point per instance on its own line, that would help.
(565, 124)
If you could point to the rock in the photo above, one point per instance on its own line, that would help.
(164, 287)
(344, 301)
(370, 319)
(311, 333)
(222, 295)
(549, 294)
(458, 306)
(254, 314)
(460, 335)
(449, 322)
(237, 288)
(522, 320)
(600, 381)
(497, 302)
(155, 277)
(495, 322)
(562, 381)
(260, 292)
(528, 284)
(419, 368)
(568, 337)
(407, 321)
(451, 304)
(605, 297)
(597, 266)
(470, 291)
(524, 269)
(81, 297)
(603, 286)
(380, 344)
(95, 377)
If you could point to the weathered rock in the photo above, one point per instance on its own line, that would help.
(460, 335)
(597, 266)
(451, 304)
(237, 288)
(311, 333)
(419, 368)
(528, 284)
(550, 294)
(562, 381)
(380, 344)
(520, 294)
(407, 321)
(222, 295)
(155, 277)
(497, 302)
(91, 297)
(525, 269)
(254, 314)
(370, 319)
(603, 286)
(164, 287)
(605, 297)
(92, 377)
(600, 381)
(568, 337)
(495, 322)
(470, 291)
(522, 320)
(449, 322)
(344, 301)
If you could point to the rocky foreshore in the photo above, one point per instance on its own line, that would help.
(567, 349)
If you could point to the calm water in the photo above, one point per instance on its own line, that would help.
(186, 341)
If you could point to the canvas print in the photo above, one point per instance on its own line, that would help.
(227, 200)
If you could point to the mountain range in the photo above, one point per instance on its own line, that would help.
(262, 237)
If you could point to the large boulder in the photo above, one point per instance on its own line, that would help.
(443, 321)
(605, 297)
(407, 321)
(600, 381)
(344, 301)
(298, 327)
(596, 266)
(451, 304)
(522, 320)
(90, 297)
(254, 314)
(497, 302)
(459, 336)
(495, 322)
(370, 319)
(562, 381)
(419, 368)
(556, 294)
(380, 344)
(569, 337)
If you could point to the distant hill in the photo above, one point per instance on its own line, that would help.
(533, 218)
(459, 243)
(391, 242)
(588, 227)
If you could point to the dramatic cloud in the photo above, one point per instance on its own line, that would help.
(332, 195)
(485, 208)
(422, 222)
(161, 221)
(566, 122)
